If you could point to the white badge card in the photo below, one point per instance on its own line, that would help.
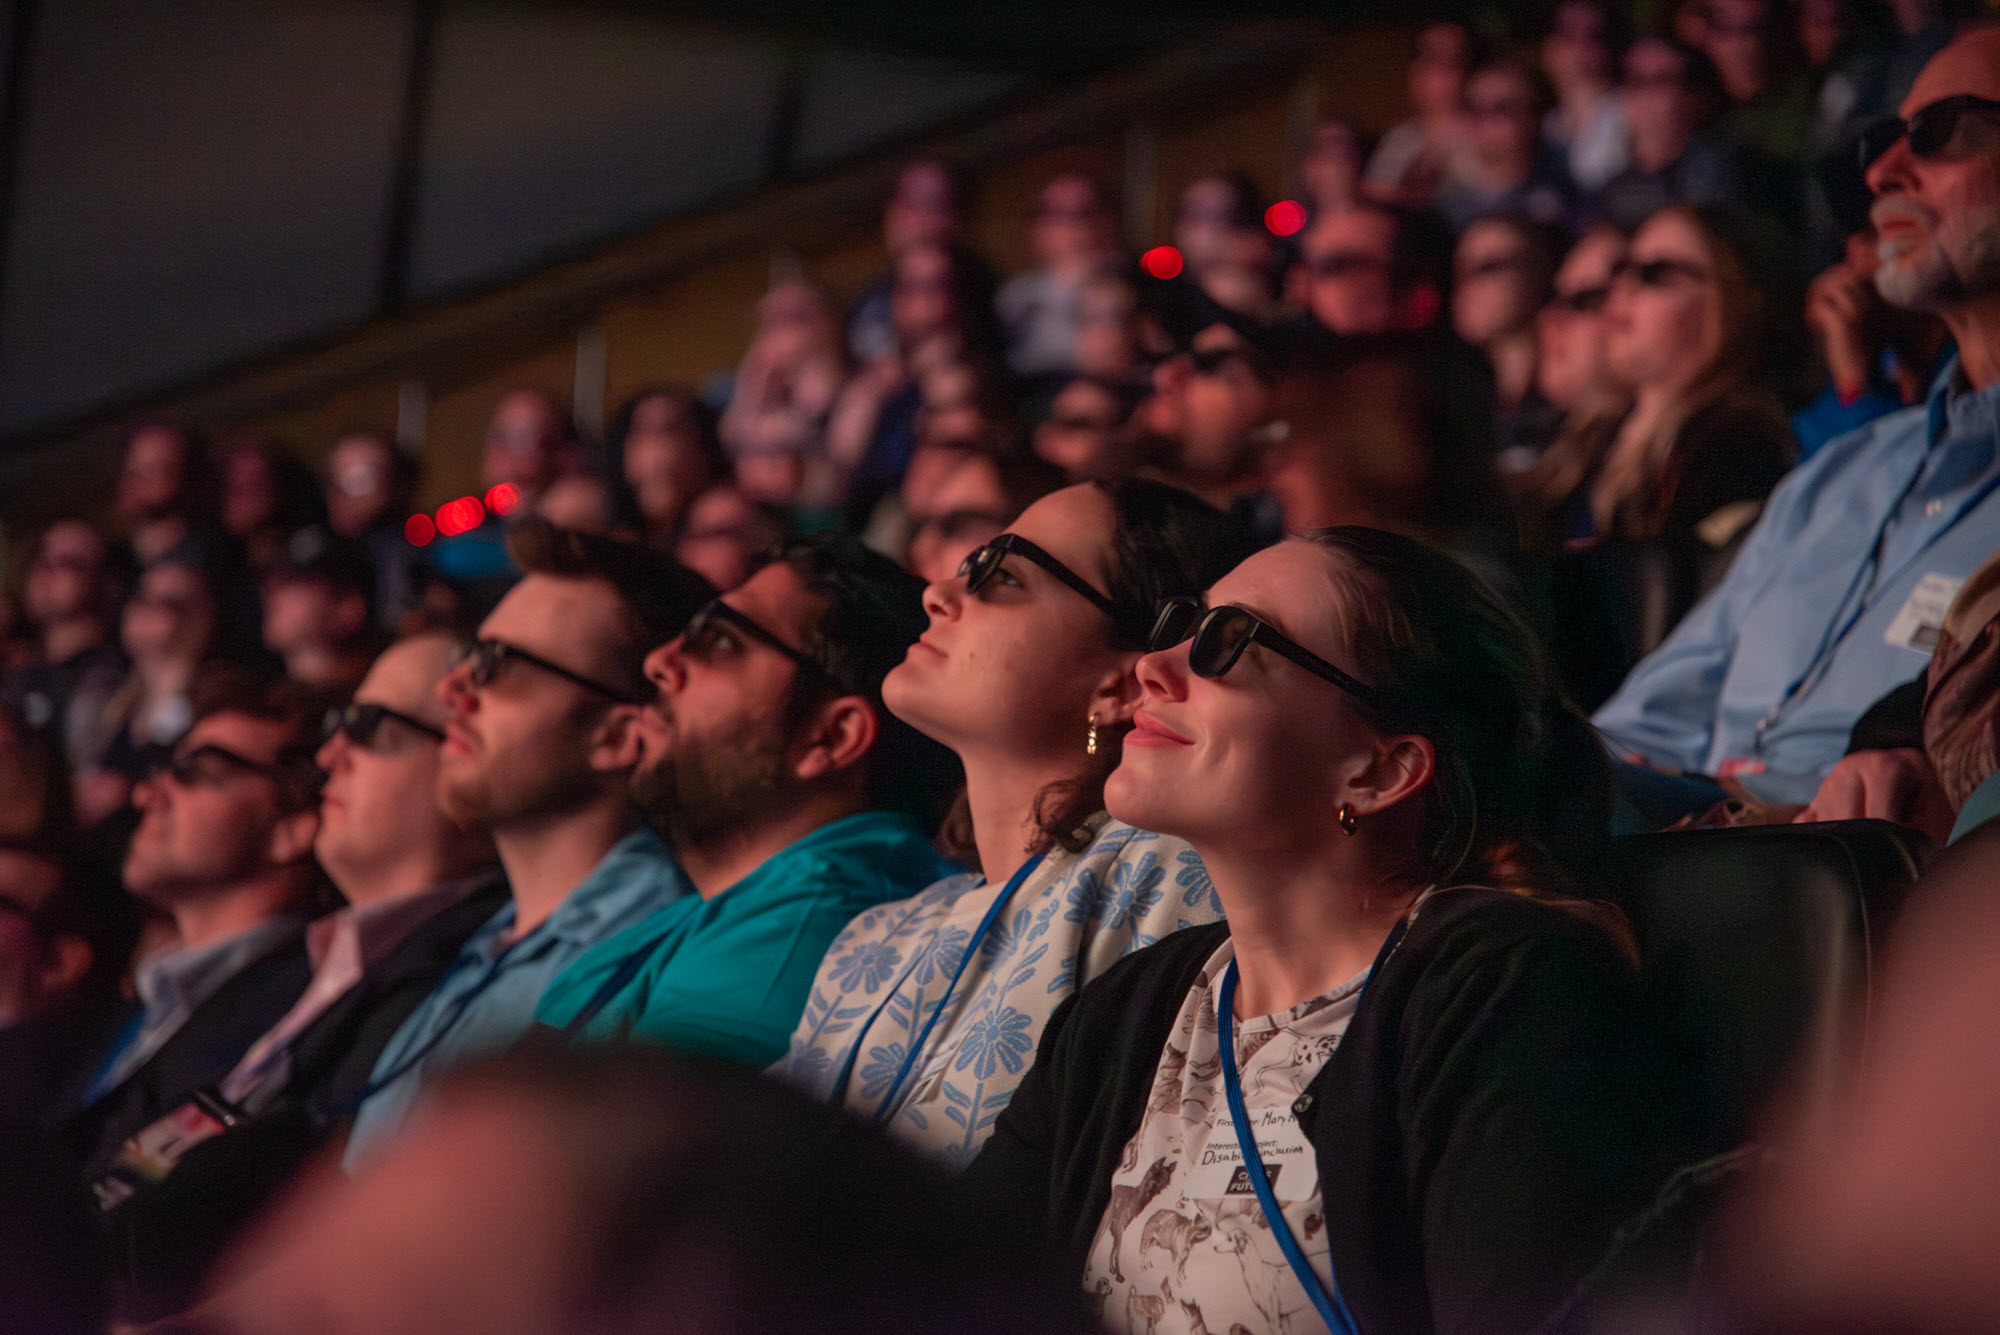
(1920, 620)
(1220, 1172)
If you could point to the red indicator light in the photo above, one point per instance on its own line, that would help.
(501, 498)
(1285, 218)
(419, 530)
(460, 516)
(1161, 262)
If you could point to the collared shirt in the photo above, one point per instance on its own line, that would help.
(1070, 919)
(728, 976)
(342, 946)
(1829, 604)
(487, 999)
(172, 987)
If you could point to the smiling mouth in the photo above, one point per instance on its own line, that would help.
(1147, 729)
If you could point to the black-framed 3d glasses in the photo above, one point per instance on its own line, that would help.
(979, 567)
(1929, 130)
(1221, 634)
(209, 766)
(486, 659)
(704, 629)
(362, 721)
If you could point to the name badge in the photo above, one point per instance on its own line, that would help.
(1919, 622)
(1289, 1165)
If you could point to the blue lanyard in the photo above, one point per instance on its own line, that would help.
(971, 949)
(1326, 1297)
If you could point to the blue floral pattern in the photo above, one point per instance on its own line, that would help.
(1071, 919)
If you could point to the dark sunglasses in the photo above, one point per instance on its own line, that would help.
(979, 568)
(1499, 264)
(486, 659)
(1341, 263)
(362, 721)
(209, 766)
(1210, 361)
(1658, 273)
(706, 629)
(1221, 634)
(1930, 130)
(1583, 301)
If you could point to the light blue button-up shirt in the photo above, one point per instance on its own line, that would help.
(1775, 665)
(487, 999)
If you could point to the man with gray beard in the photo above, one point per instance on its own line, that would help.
(1839, 592)
(791, 797)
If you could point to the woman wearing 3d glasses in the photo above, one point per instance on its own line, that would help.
(1438, 1064)
(925, 1012)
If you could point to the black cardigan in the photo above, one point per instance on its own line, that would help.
(1492, 1115)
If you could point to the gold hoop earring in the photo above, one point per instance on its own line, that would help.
(1090, 738)
(1345, 818)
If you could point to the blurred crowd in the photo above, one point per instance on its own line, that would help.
(856, 715)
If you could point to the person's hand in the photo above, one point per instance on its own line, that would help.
(1841, 304)
(1896, 785)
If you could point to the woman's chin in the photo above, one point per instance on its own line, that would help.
(1128, 796)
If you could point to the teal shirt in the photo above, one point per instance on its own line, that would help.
(729, 976)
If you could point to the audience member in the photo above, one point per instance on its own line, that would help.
(663, 451)
(1373, 269)
(527, 444)
(724, 532)
(1666, 491)
(1418, 155)
(416, 886)
(921, 1017)
(1586, 126)
(1670, 94)
(790, 798)
(1770, 116)
(621, 1191)
(267, 495)
(1114, 334)
(224, 849)
(169, 630)
(957, 498)
(35, 802)
(1387, 814)
(785, 387)
(167, 491)
(1208, 412)
(1837, 593)
(541, 739)
(70, 596)
(370, 486)
(1074, 239)
(579, 502)
(1506, 168)
(319, 610)
(1330, 169)
(1501, 280)
(1231, 264)
(1084, 433)
(927, 209)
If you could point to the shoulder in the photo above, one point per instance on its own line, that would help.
(1149, 978)
(1481, 941)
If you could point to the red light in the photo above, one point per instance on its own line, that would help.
(460, 516)
(501, 498)
(1161, 262)
(1285, 218)
(419, 530)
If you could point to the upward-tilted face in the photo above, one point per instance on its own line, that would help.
(1570, 329)
(209, 820)
(1254, 759)
(521, 744)
(1663, 322)
(379, 805)
(1011, 669)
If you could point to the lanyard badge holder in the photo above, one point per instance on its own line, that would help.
(1325, 1296)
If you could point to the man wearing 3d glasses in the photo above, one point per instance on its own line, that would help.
(1839, 592)
(792, 798)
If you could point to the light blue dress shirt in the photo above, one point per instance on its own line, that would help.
(1768, 674)
(487, 999)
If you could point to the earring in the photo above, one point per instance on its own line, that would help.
(1345, 818)
(1090, 738)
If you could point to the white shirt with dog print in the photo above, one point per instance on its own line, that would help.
(1184, 1246)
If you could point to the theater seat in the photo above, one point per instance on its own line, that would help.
(1759, 946)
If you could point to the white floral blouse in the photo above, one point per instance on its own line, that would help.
(1074, 915)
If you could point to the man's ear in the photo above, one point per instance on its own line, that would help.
(1399, 769)
(1116, 694)
(66, 958)
(615, 745)
(292, 837)
(839, 737)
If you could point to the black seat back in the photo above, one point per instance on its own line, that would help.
(1759, 946)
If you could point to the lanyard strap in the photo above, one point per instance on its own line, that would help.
(628, 969)
(1325, 1296)
(971, 949)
